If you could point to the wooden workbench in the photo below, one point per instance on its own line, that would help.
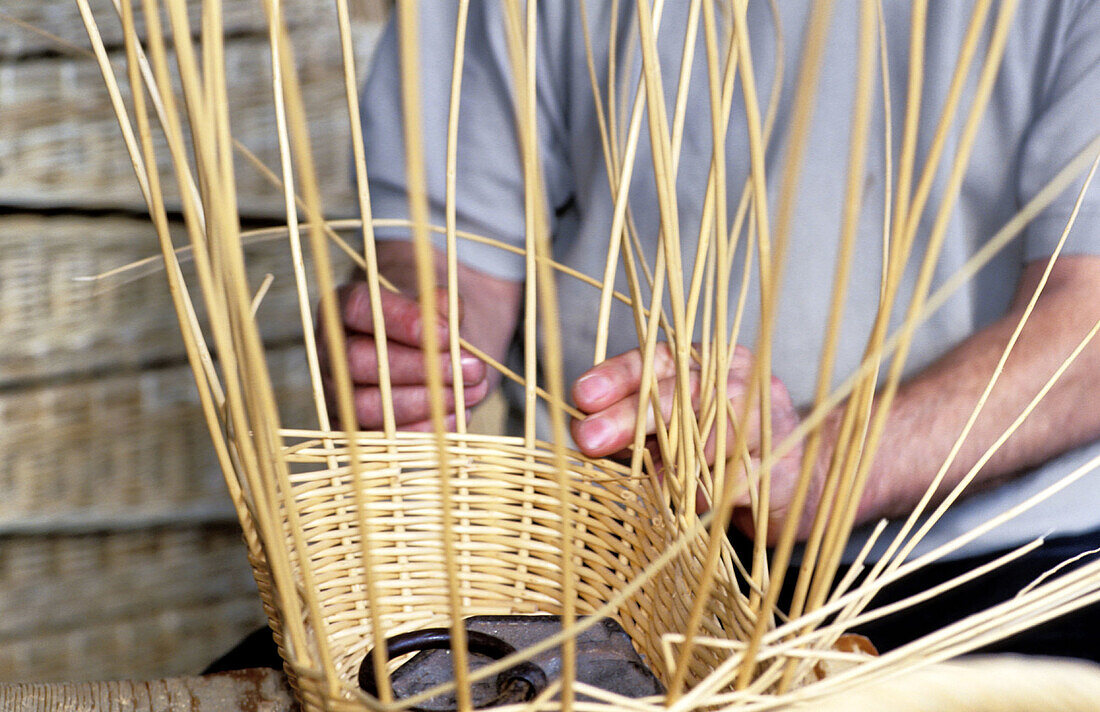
(241, 691)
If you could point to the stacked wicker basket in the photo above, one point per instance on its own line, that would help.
(120, 555)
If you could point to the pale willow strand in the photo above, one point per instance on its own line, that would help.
(977, 685)
(356, 536)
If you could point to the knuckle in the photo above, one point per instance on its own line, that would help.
(368, 407)
(476, 393)
(405, 317)
(362, 358)
(356, 307)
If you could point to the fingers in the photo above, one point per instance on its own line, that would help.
(736, 392)
(411, 404)
(785, 478)
(407, 365)
(406, 361)
(612, 429)
(785, 417)
(617, 378)
(609, 393)
(702, 504)
(404, 332)
(425, 426)
(403, 317)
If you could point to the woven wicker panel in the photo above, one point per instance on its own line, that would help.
(122, 604)
(62, 20)
(53, 323)
(60, 130)
(508, 555)
(125, 450)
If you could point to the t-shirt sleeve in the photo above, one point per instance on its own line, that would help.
(1066, 121)
(490, 186)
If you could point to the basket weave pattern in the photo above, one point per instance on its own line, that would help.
(56, 319)
(507, 513)
(64, 138)
(121, 604)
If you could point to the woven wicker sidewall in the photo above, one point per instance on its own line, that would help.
(65, 138)
(261, 573)
(121, 604)
(506, 518)
(54, 320)
(163, 468)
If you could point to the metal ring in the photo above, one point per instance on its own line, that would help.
(519, 683)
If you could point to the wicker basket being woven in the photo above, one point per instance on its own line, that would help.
(507, 526)
(356, 537)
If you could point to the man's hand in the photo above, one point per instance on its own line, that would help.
(609, 394)
(404, 326)
(928, 412)
(488, 311)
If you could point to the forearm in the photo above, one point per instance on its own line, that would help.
(932, 408)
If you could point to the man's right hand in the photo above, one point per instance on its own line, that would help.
(404, 328)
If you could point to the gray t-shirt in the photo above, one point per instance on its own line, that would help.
(1044, 109)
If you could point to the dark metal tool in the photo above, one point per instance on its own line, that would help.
(605, 659)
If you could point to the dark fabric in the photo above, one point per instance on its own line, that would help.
(1075, 635)
(255, 651)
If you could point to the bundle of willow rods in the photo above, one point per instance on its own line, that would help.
(356, 536)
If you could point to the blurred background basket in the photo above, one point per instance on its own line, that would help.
(121, 557)
(122, 603)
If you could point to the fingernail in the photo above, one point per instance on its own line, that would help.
(595, 433)
(471, 367)
(592, 387)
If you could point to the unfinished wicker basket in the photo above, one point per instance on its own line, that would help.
(506, 514)
(356, 537)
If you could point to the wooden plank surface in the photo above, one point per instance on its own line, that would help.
(244, 691)
(60, 145)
